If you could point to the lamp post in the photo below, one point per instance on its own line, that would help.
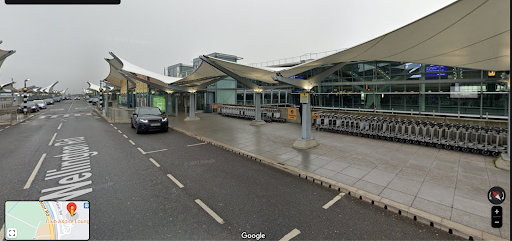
(25, 97)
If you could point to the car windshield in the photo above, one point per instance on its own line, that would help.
(39, 101)
(149, 111)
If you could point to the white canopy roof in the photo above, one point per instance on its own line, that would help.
(470, 34)
(4, 54)
(93, 86)
(114, 77)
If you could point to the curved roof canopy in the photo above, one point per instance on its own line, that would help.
(93, 86)
(4, 54)
(469, 34)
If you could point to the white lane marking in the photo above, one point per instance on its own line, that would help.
(119, 131)
(1, 129)
(70, 105)
(2, 234)
(141, 151)
(7, 127)
(88, 114)
(42, 117)
(53, 116)
(66, 115)
(58, 128)
(290, 235)
(209, 211)
(335, 199)
(197, 144)
(115, 127)
(156, 151)
(53, 138)
(175, 181)
(33, 175)
(77, 114)
(133, 143)
(154, 162)
(111, 125)
(125, 136)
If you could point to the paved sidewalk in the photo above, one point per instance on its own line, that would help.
(449, 184)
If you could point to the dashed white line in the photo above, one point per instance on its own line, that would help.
(125, 136)
(209, 211)
(7, 127)
(119, 131)
(77, 114)
(141, 151)
(133, 143)
(175, 181)
(197, 144)
(156, 151)
(290, 235)
(53, 138)
(154, 162)
(115, 127)
(54, 116)
(335, 199)
(33, 175)
(66, 115)
(111, 125)
(58, 128)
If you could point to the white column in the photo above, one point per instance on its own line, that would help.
(192, 108)
(257, 114)
(306, 141)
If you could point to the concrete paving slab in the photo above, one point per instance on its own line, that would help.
(443, 178)
(437, 193)
(472, 206)
(354, 172)
(474, 179)
(412, 175)
(397, 196)
(379, 177)
(345, 179)
(471, 191)
(405, 185)
(324, 172)
(307, 167)
(432, 207)
(336, 165)
(474, 221)
(369, 187)
(319, 161)
(364, 164)
(416, 168)
(390, 166)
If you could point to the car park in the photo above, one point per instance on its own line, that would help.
(41, 104)
(146, 119)
(31, 107)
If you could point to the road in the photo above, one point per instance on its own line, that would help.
(171, 186)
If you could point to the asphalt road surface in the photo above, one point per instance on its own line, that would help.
(162, 186)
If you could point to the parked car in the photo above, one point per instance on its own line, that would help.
(77, 97)
(31, 107)
(149, 119)
(49, 101)
(41, 104)
(57, 99)
(94, 101)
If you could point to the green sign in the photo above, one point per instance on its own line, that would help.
(159, 101)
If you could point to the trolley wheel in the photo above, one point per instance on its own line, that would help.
(360, 134)
(423, 143)
(447, 147)
(486, 152)
(388, 138)
(408, 141)
(475, 151)
(496, 153)
(456, 148)
(465, 149)
(395, 139)
(439, 146)
(415, 142)
(430, 144)
(402, 140)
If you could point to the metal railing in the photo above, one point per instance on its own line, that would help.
(298, 59)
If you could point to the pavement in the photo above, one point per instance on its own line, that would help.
(170, 186)
(447, 185)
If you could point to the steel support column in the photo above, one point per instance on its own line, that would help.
(306, 140)
(192, 111)
(257, 115)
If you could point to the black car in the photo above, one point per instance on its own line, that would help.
(94, 101)
(149, 119)
(31, 107)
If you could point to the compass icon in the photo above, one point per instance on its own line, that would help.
(496, 195)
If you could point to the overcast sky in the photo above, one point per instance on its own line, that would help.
(69, 43)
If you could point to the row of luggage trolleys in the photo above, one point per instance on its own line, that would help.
(248, 112)
(467, 138)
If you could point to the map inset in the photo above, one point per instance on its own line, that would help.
(44, 220)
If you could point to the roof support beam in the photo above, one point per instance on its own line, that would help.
(7, 55)
(244, 81)
(215, 80)
(316, 79)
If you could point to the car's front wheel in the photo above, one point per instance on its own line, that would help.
(132, 124)
(138, 130)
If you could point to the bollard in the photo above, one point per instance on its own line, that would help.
(433, 112)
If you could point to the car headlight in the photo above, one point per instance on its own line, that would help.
(143, 121)
(164, 119)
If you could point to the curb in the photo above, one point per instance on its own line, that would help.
(401, 209)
